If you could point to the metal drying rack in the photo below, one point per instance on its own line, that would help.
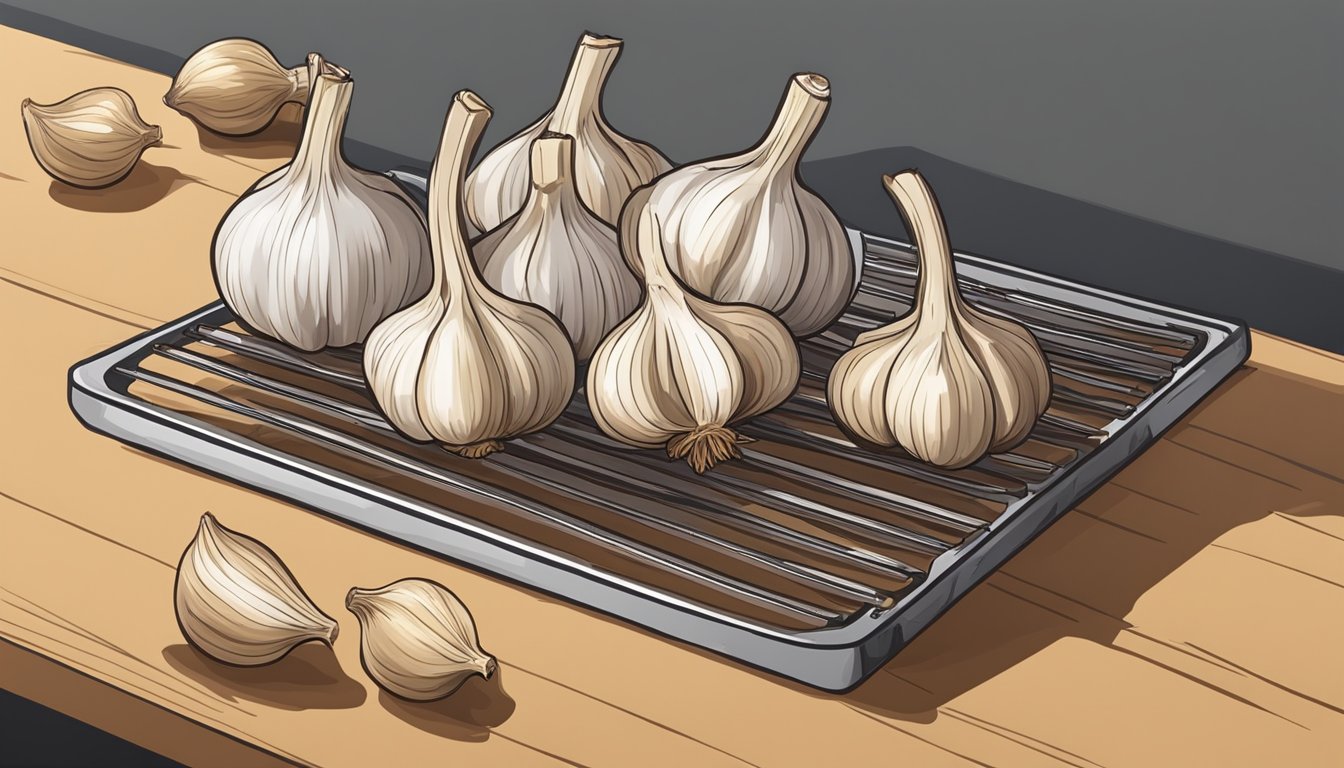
(808, 557)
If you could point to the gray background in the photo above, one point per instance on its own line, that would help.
(1185, 150)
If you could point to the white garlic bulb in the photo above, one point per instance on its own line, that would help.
(317, 252)
(91, 139)
(237, 603)
(744, 228)
(235, 87)
(682, 369)
(558, 254)
(466, 366)
(946, 382)
(417, 639)
(608, 164)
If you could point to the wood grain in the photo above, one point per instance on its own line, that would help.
(1189, 612)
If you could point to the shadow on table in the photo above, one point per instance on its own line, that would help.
(1079, 579)
(1029, 227)
(467, 715)
(308, 678)
(276, 141)
(146, 185)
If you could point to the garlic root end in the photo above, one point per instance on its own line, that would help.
(476, 450)
(703, 447)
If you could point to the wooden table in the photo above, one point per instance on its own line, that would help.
(1190, 612)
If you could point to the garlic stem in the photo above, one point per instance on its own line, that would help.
(551, 160)
(800, 114)
(582, 93)
(462, 130)
(324, 124)
(938, 290)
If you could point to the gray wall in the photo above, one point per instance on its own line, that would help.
(1223, 117)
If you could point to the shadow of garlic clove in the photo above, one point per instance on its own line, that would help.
(235, 87)
(237, 603)
(91, 140)
(417, 639)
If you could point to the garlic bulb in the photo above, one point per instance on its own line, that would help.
(417, 639)
(92, 139)
(239, 604)
(608, 164)
(745, 229)
(559, 255)
(318, 251)
(464, 365)
(235, 87)
(946, 382)
(681, 369)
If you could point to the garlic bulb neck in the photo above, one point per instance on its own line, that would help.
(319, 150)
(937, 291)
(800, 114)
(581, 97)
(462, 129)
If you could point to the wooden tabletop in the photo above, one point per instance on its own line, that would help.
(1190, 612)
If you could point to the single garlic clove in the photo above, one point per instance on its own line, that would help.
(744, 228)
(682, 369)
(235, 87)
(557, 254)
(466, 366)
(237, 603)
(608, 164)
(417, 639)
(318, 252)
(91, 139)
(946, 382)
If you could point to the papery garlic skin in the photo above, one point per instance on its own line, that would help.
(318, 252)
(418, 640)
(559, 255)
(682, 369)
(608, 164)
(235, 87)
(237, 603)
(466, 366)
(91, 139)
(946, 382)
(744, 228)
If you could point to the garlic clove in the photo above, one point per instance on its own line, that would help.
(318, 252)
(235, 87)
(91, 139)
(557, 254)
(418, 640)
(608, 164)
(237, 603)
(946, 382)
(744, 228)
(682, 369)
(466, 366)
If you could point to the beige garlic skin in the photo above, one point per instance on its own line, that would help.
(744, 228)
(318, 251)
(235, 87)
(237, 603)
(418, 640)
(466, 366)
(92, 139)
(682, 369)
(608, 164)
(557, 254)
(946, 382)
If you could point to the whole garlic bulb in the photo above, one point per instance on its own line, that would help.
(235, 87)
(318, 251)
(465, 365)
(559, 255)
(608, 164)
(91, 139)
(237, 603)
(682, 369)
(744, 228)
(417, 639)
(946, 382)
